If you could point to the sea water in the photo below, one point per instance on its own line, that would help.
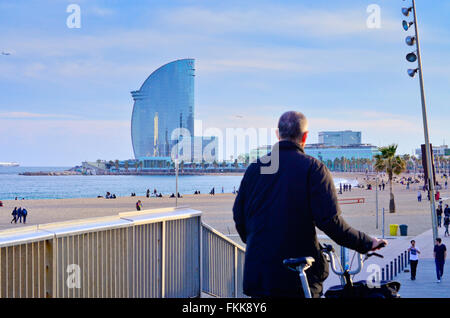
(13, 185)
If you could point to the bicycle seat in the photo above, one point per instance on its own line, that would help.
(299, 261)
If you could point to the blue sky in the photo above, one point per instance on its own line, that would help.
(65, 93)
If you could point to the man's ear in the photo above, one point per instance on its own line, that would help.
(305, 135)
(277, 132)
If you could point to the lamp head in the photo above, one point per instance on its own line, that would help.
(412, 72)
(406, 25)
(411, 57)
(406, 11)
(410, 40)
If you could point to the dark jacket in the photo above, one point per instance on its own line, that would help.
(276, 215)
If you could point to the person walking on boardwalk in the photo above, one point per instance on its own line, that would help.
(446, 211)
(414, 258)
(419, 196)
(14, 214)
(439, 215)
(446, 224)
(440, 254)
(282, 198)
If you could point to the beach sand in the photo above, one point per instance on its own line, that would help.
(217, 209)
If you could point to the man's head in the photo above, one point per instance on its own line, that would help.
(438, 241)
(413, 242)
(293, 126)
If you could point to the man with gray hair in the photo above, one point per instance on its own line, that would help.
(276, 215)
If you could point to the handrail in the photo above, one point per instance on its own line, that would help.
(223, 237)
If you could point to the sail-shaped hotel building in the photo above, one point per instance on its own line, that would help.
(164, 103)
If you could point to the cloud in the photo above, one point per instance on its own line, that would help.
(101, 12)
(275, 20)
(27, 115)
(39, 141)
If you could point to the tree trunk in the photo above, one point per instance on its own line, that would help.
(391, 200)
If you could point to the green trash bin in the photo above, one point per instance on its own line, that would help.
(404, 230)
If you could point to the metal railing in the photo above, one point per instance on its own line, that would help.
(223, 264)
(153, 253)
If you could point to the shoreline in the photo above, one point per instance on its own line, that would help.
(356, 179)
(217, 209)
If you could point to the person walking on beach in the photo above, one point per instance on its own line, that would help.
(19, 214)
(139, 205)
(24, 215)
(440, 254)
(279, 204)
(414, 258)
(14, 214)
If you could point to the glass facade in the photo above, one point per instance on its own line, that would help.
(164, 103)
(340, 138)
(331, 153)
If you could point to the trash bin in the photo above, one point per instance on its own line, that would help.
(403, 230)
(393, 228)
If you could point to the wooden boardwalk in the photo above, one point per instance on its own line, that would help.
(425, 285)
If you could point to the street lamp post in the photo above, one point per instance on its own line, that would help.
(411, 72)
(176, 182)
(376, 199)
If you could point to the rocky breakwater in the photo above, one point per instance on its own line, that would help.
(51, 173)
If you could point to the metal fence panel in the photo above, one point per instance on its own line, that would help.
(147, 258)
(182, 242)
(146, 254)
(23, 272)
(222, 264)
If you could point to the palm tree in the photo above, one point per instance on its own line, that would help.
(388, 162)
(126, 165)
(335, 164)
(116, 164)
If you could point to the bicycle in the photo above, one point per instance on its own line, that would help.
(348, 289)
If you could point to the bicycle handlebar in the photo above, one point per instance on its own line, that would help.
(329, 250)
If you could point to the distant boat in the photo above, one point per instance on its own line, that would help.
(9, 164)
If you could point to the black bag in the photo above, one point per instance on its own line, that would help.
(361, 289)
